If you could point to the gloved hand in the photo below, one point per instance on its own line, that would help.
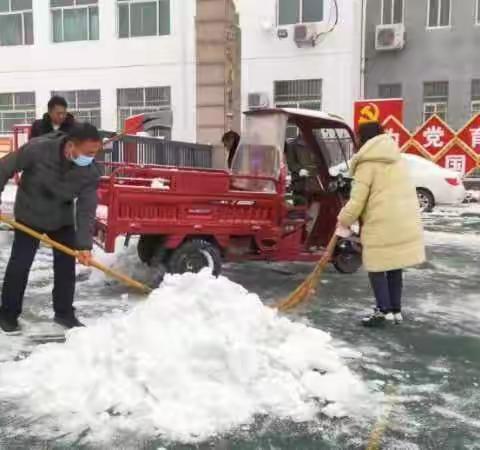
(342, 231)
(304, 173)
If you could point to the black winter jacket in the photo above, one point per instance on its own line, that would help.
(49, 186)
(44, 125)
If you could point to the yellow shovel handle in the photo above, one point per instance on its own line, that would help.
(74, 253)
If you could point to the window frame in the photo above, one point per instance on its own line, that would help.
(292, 130)
(438, 26)
(300, 15)
(25, 111)
(73, 7)
(390, 86)
(75, 109)
(21, 13)
(382, 10)
(145, 107)
(132, 2)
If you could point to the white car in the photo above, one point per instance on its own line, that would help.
(435, 185)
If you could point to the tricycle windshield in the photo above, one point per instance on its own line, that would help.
(260, 150)
(338, 148)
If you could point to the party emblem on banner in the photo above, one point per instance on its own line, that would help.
(470, 134)
(459, 158)
(397, 131)
(369, 113)
(434, 136)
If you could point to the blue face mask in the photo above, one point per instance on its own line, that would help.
(83, 161)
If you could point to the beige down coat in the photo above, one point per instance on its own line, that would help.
(383, 198)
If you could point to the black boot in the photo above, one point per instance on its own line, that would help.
(8, 323)
(68, 321)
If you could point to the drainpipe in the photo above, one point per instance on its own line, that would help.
(363, 40)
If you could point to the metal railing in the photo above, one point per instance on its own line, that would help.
(160, 152)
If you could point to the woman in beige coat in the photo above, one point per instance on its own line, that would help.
(384, 200)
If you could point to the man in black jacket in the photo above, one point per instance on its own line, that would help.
(56, 119)
(58, 171)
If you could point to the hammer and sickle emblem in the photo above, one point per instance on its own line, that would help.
(369, 113)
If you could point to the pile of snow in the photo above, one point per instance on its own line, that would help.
(201, 357)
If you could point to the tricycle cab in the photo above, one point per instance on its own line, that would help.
(298, 172)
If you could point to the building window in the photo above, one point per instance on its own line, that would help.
(477, 12)
(305, 94)
(74, 20)
(390, 90)
(435, 99)
(300, 11)
(392, 11)
(146, 18)
(134, 101)
(16, 109)
(439, 13)
(85, 105)
(475, 97)
(16, 22)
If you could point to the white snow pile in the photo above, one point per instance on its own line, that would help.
(201, 357)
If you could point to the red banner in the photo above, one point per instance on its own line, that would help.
(437, 142)
(377, 110)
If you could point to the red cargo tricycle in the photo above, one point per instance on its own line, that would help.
(278, 202)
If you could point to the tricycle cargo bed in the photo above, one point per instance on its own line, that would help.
(180, 202)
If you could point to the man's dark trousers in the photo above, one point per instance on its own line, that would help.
(16, 276)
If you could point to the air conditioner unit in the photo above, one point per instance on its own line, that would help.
(258, 100)
(305, 34)
(390, 37)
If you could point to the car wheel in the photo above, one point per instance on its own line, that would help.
(194, 256)
(425, 200)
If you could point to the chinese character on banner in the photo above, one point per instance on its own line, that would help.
(397, 131)
(434, 136)
(470, 134)
(458, 163)
(459, 159)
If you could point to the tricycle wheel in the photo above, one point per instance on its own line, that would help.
(150, 250)
(347, 259)
(195, 255)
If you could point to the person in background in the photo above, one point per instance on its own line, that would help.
(384, 200)
(56, 119)
(57, 170)
(230, 140)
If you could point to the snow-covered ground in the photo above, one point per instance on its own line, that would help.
(204, 358)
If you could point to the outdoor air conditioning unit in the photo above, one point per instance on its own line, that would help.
(390, 37)
(258, 100)
(305, 34)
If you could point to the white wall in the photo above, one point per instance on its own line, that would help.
(335, 60)
(108, 64)
(111, 63)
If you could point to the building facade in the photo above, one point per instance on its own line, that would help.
(115, 58)
(282, 68)
(110, 58)
(437, 70)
